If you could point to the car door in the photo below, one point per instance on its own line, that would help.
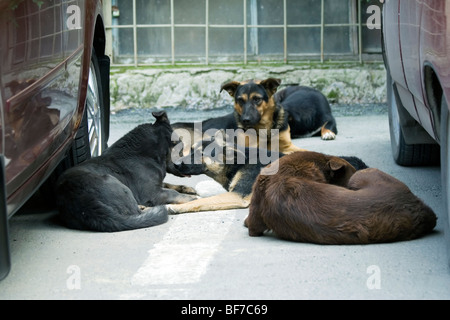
(41, 45)
(410, 29)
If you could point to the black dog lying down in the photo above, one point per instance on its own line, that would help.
(309, 112)
(123, 188)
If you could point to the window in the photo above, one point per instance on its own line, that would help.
(240, 31)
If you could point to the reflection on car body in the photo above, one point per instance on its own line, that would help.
(48, 50)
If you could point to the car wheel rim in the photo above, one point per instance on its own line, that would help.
(94, 114)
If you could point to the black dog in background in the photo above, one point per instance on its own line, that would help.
(123, 188)
(309, 112)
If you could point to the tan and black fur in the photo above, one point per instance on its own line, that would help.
(235, 176)
(301, 203)
(257, 110)
(254, 108)
(236, 170)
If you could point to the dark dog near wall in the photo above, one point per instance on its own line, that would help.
(369, 206)
(298, 110)
(309, 112)
(123, 188)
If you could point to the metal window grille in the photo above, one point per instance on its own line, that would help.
(149, 32)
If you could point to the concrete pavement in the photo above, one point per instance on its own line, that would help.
(210, 255)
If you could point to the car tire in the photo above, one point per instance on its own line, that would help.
(92, 134)
(91, 138)
(445, 170)
(406, 154)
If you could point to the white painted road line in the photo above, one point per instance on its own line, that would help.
(184, 253)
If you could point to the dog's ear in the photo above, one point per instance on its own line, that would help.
(340, 171)
(271, 85)
(230, 87)
(160, 116)
(336, 164)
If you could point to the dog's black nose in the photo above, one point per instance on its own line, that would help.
(178, 163)
(246, 121)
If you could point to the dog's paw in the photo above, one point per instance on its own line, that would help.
(171, 209)
(188, 198)
(183, 198)
(187, 190)
(328, 135)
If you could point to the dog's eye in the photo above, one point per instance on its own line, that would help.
(240, 101)
(257, 100)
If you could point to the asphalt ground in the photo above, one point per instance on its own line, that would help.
(210, 256)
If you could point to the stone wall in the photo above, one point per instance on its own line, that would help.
(199, 87)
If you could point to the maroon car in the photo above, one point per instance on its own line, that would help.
(54, 96)
(416, 36)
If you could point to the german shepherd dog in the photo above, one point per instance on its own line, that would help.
(236, 169)
(123, 188)
(299, 203)
(301, 111)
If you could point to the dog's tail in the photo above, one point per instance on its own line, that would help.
(111, 221)
(148, 217)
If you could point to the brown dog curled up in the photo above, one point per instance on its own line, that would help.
(321, 199)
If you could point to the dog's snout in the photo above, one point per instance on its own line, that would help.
(181, 161)
(250, 115)
(178, 162)
(246, 120)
